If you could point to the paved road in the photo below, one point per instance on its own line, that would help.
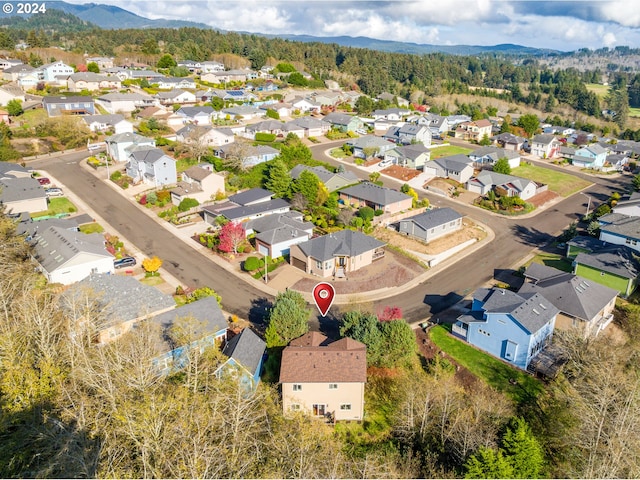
(515, 238)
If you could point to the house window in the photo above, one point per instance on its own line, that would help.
(318, 264)
(295, 406)
(297, 387)
(333, 386)
(345, 406)
(631, 241)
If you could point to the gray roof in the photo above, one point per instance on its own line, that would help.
(21, 68)
(55, 246)
(67, 99)
(369, 141)
(193, 111)
(281, 234)
(250, 196)
(587, 242)
(309, 122)
(276, 220)
(107, 119)
(457, 162)
(373, 193)
(197, 173)
(412, 151)
(127, 137)
(31, 227)
(244, 211)
(123, 97)
(621, 224)
(91, 77)
(176, 92)
(616, 259)
(206, 311)
(595, 149)
(506, 137)
(21, 188)
(149, 155)
(265, 125)
(349, 243)
(434, 218)
(543, 138)
(339, 118)
(571, 294)
(488, 177)
(323, 174)
(247, 349)
(531, 311)
(7, 167)
(120, 298)
(494, 152)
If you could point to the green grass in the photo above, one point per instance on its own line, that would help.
(440, 152)
(554, 260)
(91, 228)
(561, 183)
(152, 281)
(184, 163)
(338, 153)
(56, 206)
(600, 90)
(31, 118)
(491, 370)
(634, 112)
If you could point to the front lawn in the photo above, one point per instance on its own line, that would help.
(449, 150)
(491, 370)
(91, 228)
(57, 206)
(554, 260)
(559, 182)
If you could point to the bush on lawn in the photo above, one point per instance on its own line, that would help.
(188, 203)
(252, 263)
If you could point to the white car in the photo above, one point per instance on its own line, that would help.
(385, 163)
(54, 192)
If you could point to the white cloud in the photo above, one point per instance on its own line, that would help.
(625, 13)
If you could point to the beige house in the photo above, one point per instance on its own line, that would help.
(324, 378)
(336, 254)
(199, 183)
(474, 130)
(92, 82)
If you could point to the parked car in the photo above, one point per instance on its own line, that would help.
(124, 262)
(385, 163)
(54, 192)
(44, 181)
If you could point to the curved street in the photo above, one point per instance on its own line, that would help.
(514, 239)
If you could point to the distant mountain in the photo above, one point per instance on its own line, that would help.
(416, 48)
(112, 17)
(51, 21)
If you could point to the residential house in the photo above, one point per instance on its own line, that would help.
(92, 82)
(344, 122)
(274, 127)
(111, 305)
(104, 123)
(252, 155)
(511, 185)
(211, 66)
(51, 72)
(617, 162)
(226, 76)
(203, 319)
(30, 227)
(65, 256)
(117, 145)
(628, 205)
(392, 114)
(15, 73)
(327, 98)
(332, 180)
(21, 194)
(102, 62)
(409, 156)
(336, 254)
(491, 154)
(545, 146)
(305, 105)
(245, 206)
(79, 105)
(282, 109)
(590, 156)
(457, 167)
(323, 377)
(293, 128)
(175, 96)
(432, 224)
(393, 99)
(152, 166)
(474, 130)
(377, 197)
(369, 146)
(13, 170)
(8, 63)
(199, 115)
(620, 229)
(139, 74)
(242, 112)
(205, 135)
(246, 353)
(171, 83)
(277, 232)
(615, 266)
(199, 183)
(566, 152)
(29, 81)
(10, 92)
(510, 326)
(313, 127)
(509, 141)
(438, 125)
(191, 65)
(409, 133)
(581, 303)
(125, 102)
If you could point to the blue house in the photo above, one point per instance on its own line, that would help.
(72, 105)
(590, 156)
(246, 352)
(203, 321)
(512, 327)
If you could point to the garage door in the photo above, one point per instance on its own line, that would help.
(298, 263)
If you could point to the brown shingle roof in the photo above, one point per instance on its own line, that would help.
(313, 358)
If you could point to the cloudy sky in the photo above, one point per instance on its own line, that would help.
(562, 25)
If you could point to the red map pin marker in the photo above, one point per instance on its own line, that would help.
(323, 294)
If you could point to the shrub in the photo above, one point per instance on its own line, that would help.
(152, 198)
(179, 290)
(163, 196)
(143, 200)
(187, 203)
(265, 137)
(115, 176)
(378, 212)
(252, 263)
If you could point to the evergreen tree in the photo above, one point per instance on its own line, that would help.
(506, 124)
(522, 450)
(502, 166)
(287, 319)
(308, 185)
(279, 181)
(488, 463)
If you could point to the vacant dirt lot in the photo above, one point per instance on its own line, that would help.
(401, 173)
(469, 231)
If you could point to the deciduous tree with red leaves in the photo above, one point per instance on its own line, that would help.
(231, 237)
(390, 313)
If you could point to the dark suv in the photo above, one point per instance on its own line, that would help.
(124, 262)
